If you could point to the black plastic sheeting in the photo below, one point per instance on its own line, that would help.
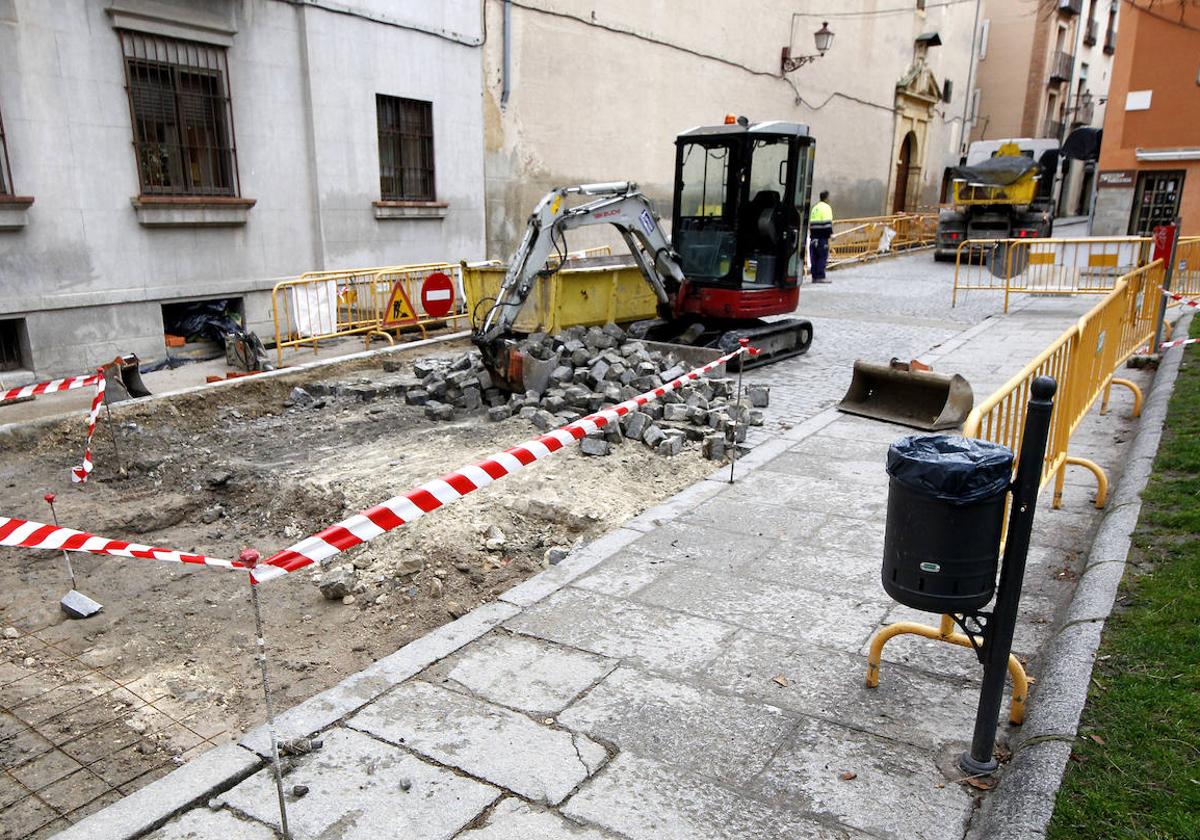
(959, 470)
(203, 319)
(997, 171)
(1083, 144)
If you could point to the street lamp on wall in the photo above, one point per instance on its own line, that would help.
(823, 40)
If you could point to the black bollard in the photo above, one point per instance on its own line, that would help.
(998, 635)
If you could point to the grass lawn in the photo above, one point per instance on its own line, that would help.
(1135, 768)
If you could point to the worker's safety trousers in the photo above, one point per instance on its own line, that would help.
(818, 256)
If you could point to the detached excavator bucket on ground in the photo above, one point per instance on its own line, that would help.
(123, 379)
(909, 394)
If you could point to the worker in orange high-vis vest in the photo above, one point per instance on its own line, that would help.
(820, 228)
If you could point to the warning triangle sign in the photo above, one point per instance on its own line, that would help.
(399, 311)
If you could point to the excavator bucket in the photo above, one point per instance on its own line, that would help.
(904, 394)
(123, 379)
(516, 370)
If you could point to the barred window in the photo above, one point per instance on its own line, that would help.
(182, 123)
(6, 187)
(405, 149)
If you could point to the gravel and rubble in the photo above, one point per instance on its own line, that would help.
(263, 464)
(591, 367)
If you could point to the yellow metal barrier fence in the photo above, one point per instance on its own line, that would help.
(1047, 266)
(873, 236)
(320, 305)
(1186, 278)
(1084, 361)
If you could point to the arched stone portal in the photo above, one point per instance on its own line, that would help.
(917, 95)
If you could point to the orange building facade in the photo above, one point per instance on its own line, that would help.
(1150, 159)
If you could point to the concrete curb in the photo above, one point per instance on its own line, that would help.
(26, 425)
(1022, 806)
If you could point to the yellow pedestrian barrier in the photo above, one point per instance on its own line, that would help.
(1088, 266)
(321, 305)
(1185, 280)
(874, 236)
(1084, 361)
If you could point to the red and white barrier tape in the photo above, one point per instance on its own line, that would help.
(25, 533)
(79, 475)
(1195, 304)
(401, 510)
(51, 387)
(1179, 342)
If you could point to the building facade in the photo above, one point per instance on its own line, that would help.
(1150, 160)
(160, 151)
(1027, 66)
(1087, 99)
(583, 92)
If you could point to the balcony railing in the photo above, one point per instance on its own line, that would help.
(1061, 66)
(1091, 33)
(1070, 7)
(1054, 128)
(1110, 41)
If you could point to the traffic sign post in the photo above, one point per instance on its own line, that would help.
(1165, 240)
(437, 295)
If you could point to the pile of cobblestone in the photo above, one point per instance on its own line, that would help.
(591, 368)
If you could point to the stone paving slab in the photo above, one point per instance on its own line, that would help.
(768, 607)
(725, 738)
(361, 788)
(649, 800)
(203, 824)
(522, 673)
(885, 787)
(920, 709)
(503, 747)
(809, 494)
(741, 511)
(657, 639)
(624, 574)
(513, 819)
(356, 691)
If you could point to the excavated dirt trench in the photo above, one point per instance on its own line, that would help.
(94, 709)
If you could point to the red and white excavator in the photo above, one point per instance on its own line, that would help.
(741, 203)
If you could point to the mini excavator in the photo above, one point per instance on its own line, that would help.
(740, 219)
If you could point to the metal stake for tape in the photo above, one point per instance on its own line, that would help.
(250, 557)
(75, 604)
(737, 406)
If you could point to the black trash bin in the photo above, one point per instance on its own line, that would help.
(945, 518)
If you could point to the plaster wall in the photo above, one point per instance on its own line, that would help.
(87, 277)
(598, 92)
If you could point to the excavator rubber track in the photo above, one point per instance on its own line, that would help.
(775, 340)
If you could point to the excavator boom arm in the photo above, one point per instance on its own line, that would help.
(619, 204)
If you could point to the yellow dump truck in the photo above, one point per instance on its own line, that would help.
(1005, 189)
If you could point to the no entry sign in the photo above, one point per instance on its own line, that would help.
(437, 295)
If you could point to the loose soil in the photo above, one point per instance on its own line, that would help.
(227, 468)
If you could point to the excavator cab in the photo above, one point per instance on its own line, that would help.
(742, 193)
